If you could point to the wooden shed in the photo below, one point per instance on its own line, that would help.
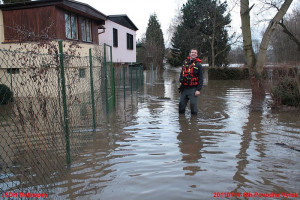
(53, 19)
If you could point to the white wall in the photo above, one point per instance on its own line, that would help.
(120, 54)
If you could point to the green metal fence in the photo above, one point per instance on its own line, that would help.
(50, 108)
(109, 78)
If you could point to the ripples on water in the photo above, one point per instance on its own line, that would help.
(152, 152)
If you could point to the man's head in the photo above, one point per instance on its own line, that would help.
(193, 54)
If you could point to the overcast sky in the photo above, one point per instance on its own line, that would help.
(139, 12)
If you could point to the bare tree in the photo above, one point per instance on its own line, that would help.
(236, 55)
(285, 45)
(175, 21)
(256, 64)
(287, 30)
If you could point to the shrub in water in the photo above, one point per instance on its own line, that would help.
(286, 92)
(6, 94)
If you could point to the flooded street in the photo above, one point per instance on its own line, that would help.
(149, 151)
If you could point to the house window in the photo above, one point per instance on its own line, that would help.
(71, 26)
(13, 70)
(86, 30)
(115, 37)
(129, 41)
(81, 72)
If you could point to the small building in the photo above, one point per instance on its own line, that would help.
(25, 25)
(120, 34)
(52, 19)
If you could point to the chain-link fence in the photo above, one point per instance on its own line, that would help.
(50, 108)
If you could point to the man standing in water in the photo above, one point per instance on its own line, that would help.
(191, 82)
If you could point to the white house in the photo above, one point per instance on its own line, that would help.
(120, 34)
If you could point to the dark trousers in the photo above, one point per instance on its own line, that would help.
(186, 95)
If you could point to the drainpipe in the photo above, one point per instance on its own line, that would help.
(101, 28)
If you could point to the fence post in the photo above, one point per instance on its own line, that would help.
(105, 79)
(130, 71)
(142, 68)
(92, 90)
(112, 70)
(136, 79)
(124, 81)
(64, 98)
(152, 73)
(142, 76)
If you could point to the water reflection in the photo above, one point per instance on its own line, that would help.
(149, 151)
(190, 144)
(170, 85)
(252, 127)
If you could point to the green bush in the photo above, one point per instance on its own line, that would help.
(6, 94)
(286, 92)
(228, 73)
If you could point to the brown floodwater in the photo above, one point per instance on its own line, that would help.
(147, 151)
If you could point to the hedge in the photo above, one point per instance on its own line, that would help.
(225, 73)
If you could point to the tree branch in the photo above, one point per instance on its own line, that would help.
(291, 35)
(228, 46)
(248, 10)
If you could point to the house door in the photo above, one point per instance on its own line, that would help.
(109, 78)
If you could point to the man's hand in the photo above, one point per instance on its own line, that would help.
(197, 93)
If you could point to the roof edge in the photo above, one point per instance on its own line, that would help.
(60, 3)
(127, 18)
